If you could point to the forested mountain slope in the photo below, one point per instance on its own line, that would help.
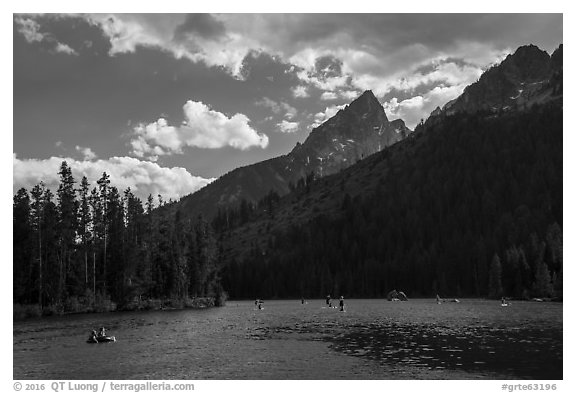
(472, 206)
(428, 215)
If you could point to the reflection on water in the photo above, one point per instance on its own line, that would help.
(528, 353)
(287, 340)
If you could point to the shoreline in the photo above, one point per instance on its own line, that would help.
(21, 312)
(29, 311)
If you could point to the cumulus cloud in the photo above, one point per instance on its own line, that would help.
(287, 126)
(319, 68)
(348, 94)
(300, 91)
(397, 44)
(201, 38)
(333, 52)
(63, 48)
(419, 107)
(143, 177)
(445, 72)
(328, 95)
(430, 85)
(326, 42)
(283, 108)
(86, 152)
(328, 66)
(126, 32)
(291, 112)
(325, 47)
(203, 25)
(202, 127)
(30, 29)
(324, 83)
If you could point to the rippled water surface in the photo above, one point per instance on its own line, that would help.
(372, 339)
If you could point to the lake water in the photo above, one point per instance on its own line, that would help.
(372, 339)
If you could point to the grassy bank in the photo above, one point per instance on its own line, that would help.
(98, 305)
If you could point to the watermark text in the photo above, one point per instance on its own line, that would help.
(528, 386)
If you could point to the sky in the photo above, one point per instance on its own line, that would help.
(165, 103)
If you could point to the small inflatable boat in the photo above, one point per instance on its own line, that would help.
(101, 339)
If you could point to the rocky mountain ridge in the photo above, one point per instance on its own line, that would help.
(355, 132)
(528, 76)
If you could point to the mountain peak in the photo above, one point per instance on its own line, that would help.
(366, 103)
(527, 76)
(528, 49)
(356, 132)
(367, 96)
(528, 54)
(528, 64)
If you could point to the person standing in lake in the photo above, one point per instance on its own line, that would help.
(341, 303)
(328, 301)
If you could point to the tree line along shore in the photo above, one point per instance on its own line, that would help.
(94, 250)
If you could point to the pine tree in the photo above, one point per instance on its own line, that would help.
(542, 286)
(67, 225)
(136, 252)
(554, 240)
(22, 241)
(495, 278)
(205, 263)
(558, 284)
(133, 242)
(146, 272)
(115, 261)
(51, 258)
(97, 232)
(84, 225)
(524, 273)
(37, 214)
(103, 200)
(514, 272)
(179, 273)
